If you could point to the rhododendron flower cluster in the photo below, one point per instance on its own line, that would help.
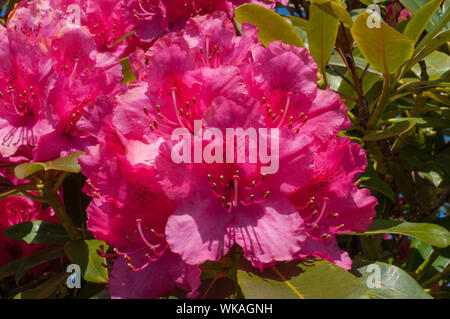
(61, 92)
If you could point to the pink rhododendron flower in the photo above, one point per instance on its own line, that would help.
(25, 82)
(105, 21)
(86, 77)
(154, 18)
(330, 201)
(129, 212)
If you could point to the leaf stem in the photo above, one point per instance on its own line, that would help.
(437, 277)
(60, 211)
(381, 102)
(427, 262)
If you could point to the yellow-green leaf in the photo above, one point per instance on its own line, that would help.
(420, 20)
(322, 33)
(385, 48)
(321, 279)
(298, 22)
(128, 75)
(396, 129)
(336, 10)
(271, 26)
(437, 64)
(84, 253)
(66, 164)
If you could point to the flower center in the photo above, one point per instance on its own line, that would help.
(234, 189)
(18, 96)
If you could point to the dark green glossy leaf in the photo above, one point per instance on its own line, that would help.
(271, 26)
(430, 233)
(392, 283)
(44, 290)
(318, 280)
(419, 251)
(371, 180)
(75, 200)
(38, 232)
(22, 265)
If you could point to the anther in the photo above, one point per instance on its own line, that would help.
(267, 194)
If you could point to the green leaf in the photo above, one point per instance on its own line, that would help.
(420, 20)
(75, 200)
(360, 64)
(424, 121)
(336, 10)
(417, 254)
(415, 6)
(432, 45)
(322, 33)
(437, 64)
(385, 48)
(393, 282)
(44, 290)
(371, 180)
(84, 253)
(128, 75)
(66, 164)
(271, 26)
(298, 22)
(430, 233)
(37, 232)
(321, 279)
(22, 265)
(396, 129)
